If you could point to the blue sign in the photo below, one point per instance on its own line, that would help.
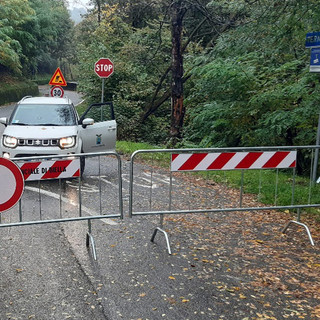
(313, 40)
(315, 60)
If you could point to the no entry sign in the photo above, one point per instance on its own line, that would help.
(103, 68)
(11, 184)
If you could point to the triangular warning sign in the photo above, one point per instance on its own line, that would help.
(58, 79)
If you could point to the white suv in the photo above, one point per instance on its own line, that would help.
(52, 126)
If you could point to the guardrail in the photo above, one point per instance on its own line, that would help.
(42, 174)
(182, 162)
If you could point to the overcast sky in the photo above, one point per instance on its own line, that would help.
(78, 3)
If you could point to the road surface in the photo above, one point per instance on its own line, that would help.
(227, 266)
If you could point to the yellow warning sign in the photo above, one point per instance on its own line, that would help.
(58, 79)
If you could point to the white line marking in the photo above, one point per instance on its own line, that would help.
(80, 102)
(85, 209)
(84, 188)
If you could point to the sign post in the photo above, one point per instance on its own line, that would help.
(313, 42)
(12, 184)
(104, 69)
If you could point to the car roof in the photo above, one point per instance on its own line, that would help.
(44, 100)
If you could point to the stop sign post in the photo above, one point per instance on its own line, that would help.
(104, 69)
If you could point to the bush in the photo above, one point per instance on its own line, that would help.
(12, 92)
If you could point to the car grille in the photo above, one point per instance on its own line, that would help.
(38, 142)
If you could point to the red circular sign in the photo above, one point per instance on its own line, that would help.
(103, 68)
(11, 184)
(57, 92)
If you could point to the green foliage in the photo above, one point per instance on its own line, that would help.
(14, 14)
(254, 88)
(138, 63)
(34, 35)
(247, 68)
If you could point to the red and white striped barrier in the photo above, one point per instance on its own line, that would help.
(51, 169)
(233, 160)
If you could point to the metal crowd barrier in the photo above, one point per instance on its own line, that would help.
(164, 191)
(44, 174)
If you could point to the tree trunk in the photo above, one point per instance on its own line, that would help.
(177, 106)
(98, 4)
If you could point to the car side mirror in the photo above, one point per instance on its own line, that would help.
(86, 122)
(4, 121)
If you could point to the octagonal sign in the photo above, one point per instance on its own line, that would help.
(103, 68)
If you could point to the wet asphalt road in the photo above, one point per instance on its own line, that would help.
(49, 273)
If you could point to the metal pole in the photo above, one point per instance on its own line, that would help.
(80, 196)
(102, 91)
(241, 188)
(276, 190)
(60, 198)
(40, 199)
(131, 186)
(20, 211)
(100, 189)
(293, 185)
(316, 156)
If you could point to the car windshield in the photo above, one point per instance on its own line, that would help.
(41, 115)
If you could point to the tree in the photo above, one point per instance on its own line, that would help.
(256, 84)
(53, 30)
(177, 107)
(191, 25)
(34, 35)
(178, 11)
(14, 14)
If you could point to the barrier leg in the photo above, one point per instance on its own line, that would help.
(166, 236)
(300, 224)
(164, 232)
(90, 240)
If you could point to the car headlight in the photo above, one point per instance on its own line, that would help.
(67, 142)
(10, 142)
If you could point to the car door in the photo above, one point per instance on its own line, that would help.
(101, 135)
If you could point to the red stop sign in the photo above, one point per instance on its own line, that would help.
(103, 67)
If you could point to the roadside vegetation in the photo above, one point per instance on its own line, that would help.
(35, 37)
(207, 73)
(246, 80)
